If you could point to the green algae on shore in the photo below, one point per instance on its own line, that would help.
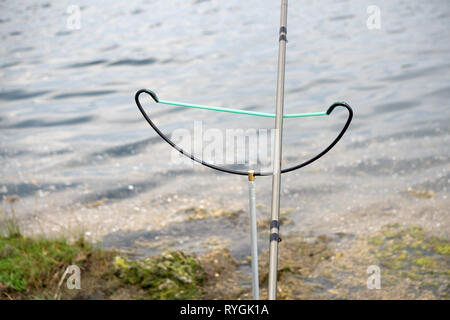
(413, 264)
(171, 275)
(413, 253)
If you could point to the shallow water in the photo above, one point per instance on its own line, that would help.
(71, 135)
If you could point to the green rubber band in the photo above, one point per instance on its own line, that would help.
(237, 111)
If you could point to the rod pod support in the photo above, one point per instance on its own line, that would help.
(277, 170)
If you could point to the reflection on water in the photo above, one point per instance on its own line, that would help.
(70, 132)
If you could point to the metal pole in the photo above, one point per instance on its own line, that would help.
(276, 179)
(254, 234)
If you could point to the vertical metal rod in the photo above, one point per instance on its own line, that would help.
(276, 179)
(254, 234)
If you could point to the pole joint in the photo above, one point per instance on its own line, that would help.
(275, 237)
(251, 175)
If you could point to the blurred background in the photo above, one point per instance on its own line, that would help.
(79, 156)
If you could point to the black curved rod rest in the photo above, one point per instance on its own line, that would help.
(239, 172)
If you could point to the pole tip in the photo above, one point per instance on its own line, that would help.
(251, 175)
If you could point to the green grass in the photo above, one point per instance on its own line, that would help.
(27, 264)
(8, 221)
(32, 263)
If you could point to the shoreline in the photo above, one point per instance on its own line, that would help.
(413, 255)
(413, 263)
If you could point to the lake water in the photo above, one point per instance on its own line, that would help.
(77, 152)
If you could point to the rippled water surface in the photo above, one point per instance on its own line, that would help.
(74, 147)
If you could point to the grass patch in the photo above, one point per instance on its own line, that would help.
(33, 264)
(8, 221)
(27, 264)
